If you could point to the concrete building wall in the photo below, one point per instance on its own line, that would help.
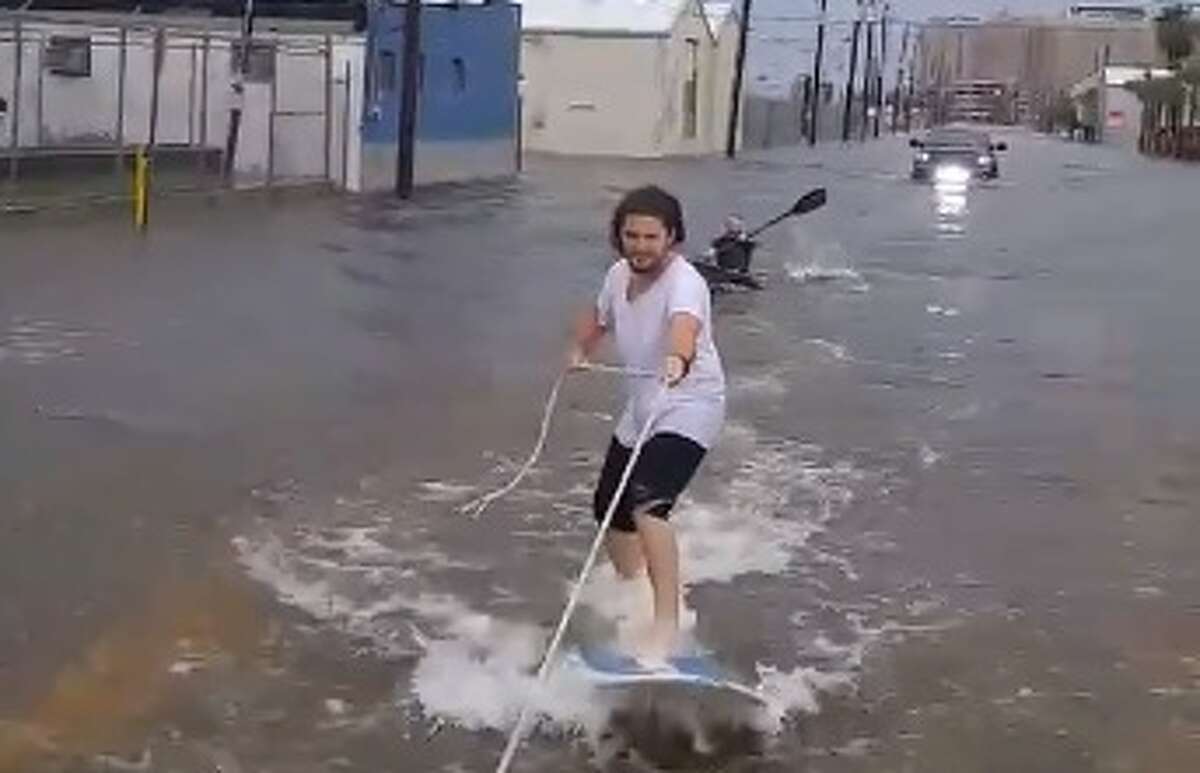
(591, 94)
(691, 37)
(623, 94)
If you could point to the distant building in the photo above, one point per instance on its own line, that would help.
(1110, 11)
(1035, 59)
(980, 101)
(1110, 112)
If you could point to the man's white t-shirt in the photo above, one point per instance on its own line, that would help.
(694, 408)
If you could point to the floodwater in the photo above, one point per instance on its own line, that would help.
(949, 525)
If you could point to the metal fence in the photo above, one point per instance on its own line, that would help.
(78, 101)
(772, 122)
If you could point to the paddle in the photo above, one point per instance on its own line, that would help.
(814, 199)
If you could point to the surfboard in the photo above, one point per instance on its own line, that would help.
(606, 668)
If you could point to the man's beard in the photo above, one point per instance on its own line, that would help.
(646, 269)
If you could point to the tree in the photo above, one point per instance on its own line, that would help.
(1064, 113)
(1176, 34)
(1162, 98)
(1190, 75)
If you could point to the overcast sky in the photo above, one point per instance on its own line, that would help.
(917, 9)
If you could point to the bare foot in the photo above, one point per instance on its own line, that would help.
(658, 644)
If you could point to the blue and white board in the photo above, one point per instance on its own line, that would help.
(611, 669)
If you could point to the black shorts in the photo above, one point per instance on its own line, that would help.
(663, 469)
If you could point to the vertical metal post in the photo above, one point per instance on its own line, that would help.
(815, 108)
(144, 162)
(735, 105)
(272, 109)
(347, 93)
(122, 67)
(204, 91)
(328, 116)
(519, 130)
(40, 113)
(159, 55)
(14, 136)
(191, 94)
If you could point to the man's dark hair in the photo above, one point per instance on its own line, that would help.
(650, 201)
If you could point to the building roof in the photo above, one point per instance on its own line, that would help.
(627, 17)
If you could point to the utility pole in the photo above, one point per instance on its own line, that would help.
(242, 60)
(881, 70)
(896, 95)
(908, 103)
(868, 80)
(815, 110)
(848, 108)
(735, 107)
(407, 126)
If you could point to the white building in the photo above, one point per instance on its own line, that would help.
(1112, 110)
(635, 78)
(83, 87)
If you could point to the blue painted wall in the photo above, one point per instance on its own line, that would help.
(469, 72)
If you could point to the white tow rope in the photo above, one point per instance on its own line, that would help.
(477, 506)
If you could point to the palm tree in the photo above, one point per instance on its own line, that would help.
(1162, 98)
(1190, 75)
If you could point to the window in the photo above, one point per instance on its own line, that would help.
(257, 62)
(460, 75)
(69, 56)
(691, 90)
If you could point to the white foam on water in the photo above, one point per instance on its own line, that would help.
(788, 693)
(817, 273)
(837, 351)
(445, 491)
(942, 311)
(33, 342)
(475, 669)
(820, 261)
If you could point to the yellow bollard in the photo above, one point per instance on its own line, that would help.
(141, 189)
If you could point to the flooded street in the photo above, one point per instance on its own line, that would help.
(950, 524)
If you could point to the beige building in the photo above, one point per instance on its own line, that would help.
(1033, 59)
(635, 78)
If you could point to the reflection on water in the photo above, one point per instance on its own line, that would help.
(104, 699)
(950, 203)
